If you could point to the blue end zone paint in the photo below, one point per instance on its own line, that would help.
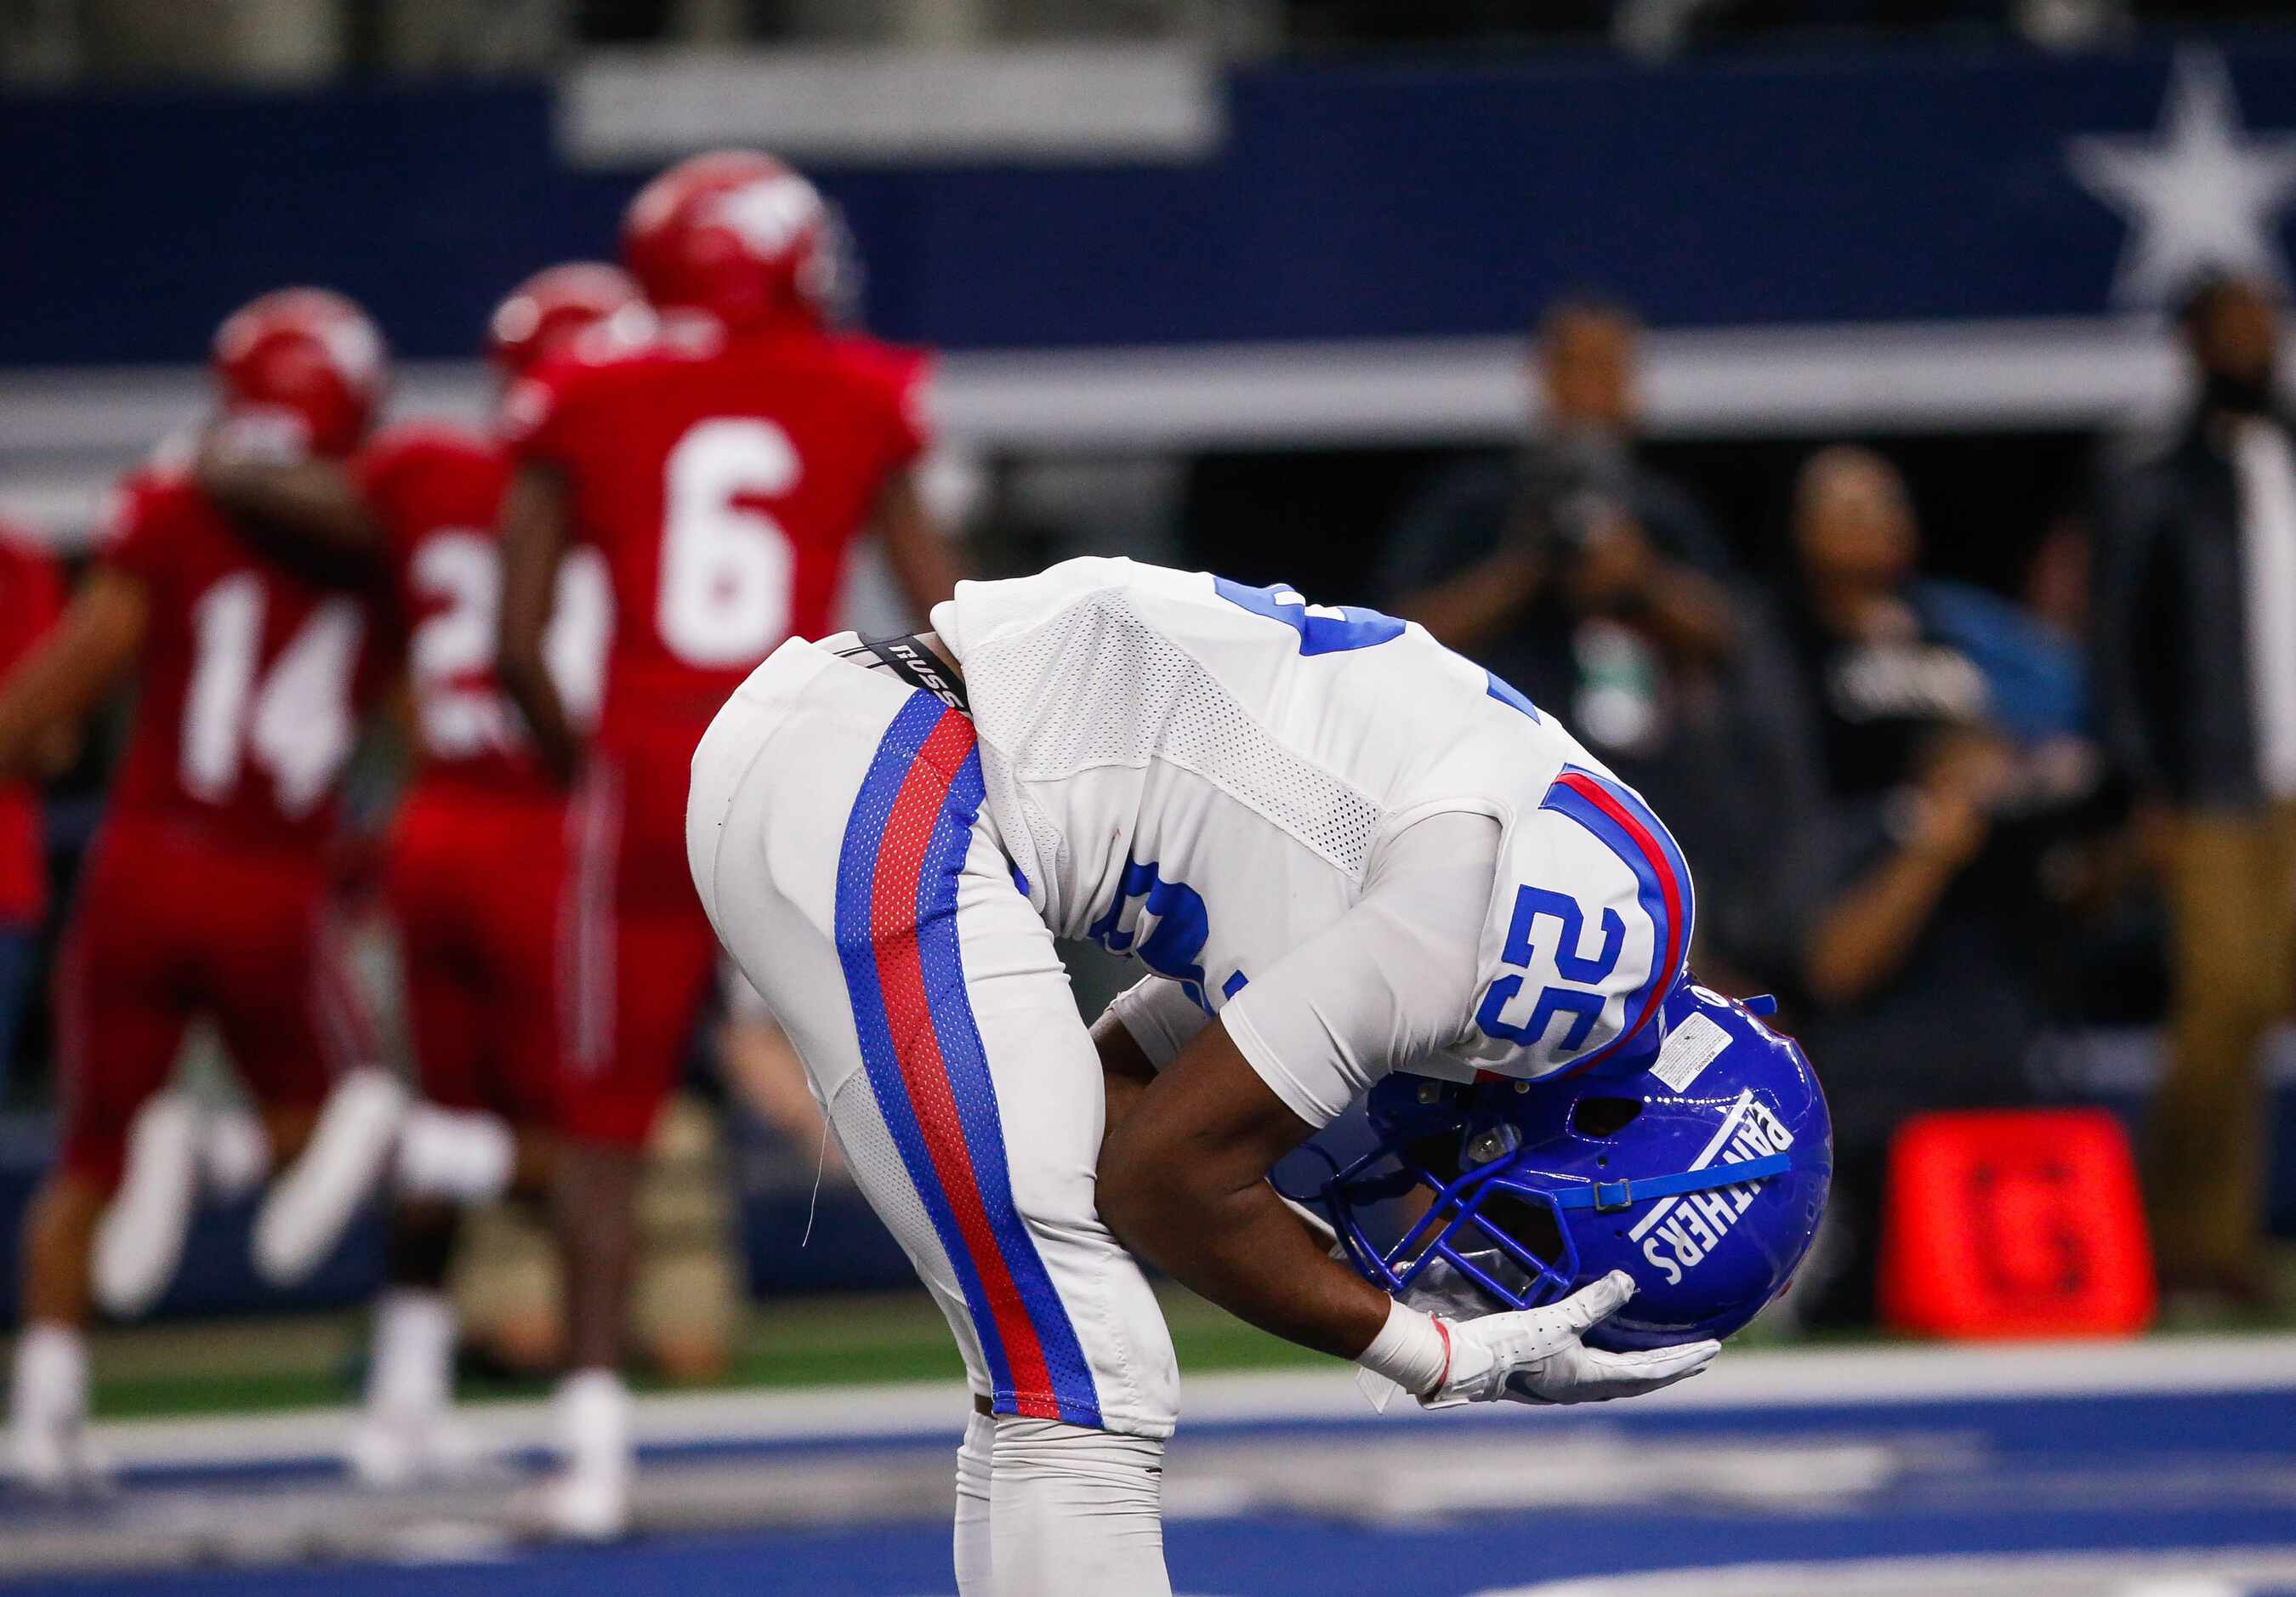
(2117, 1473)
(1274, 1556)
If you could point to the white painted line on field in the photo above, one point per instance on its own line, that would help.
(1836, 1376)
(2195, 1572)
(929, 1410)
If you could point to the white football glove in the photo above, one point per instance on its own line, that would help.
(1536, 1355)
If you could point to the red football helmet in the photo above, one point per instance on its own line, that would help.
(306, 353)
(738, 235)
(553, 305)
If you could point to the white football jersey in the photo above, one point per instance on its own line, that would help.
(1199, 774)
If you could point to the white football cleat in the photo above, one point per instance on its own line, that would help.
(588, 1498)
(407, 1432)
(309, 1207)
(139, 1243)
(55, 1456)
(583, 1505)
(465, 1156)
(235, 1153)
(47, 1414)
(390, 1452)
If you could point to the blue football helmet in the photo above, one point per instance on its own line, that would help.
(1700, 1169)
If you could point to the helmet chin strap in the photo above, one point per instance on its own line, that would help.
(1608, 1197)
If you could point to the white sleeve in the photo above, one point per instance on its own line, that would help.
(1388, 982)
(1161, 1017)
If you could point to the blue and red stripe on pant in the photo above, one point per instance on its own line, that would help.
(897, 876)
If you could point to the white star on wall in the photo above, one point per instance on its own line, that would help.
(2199, 194)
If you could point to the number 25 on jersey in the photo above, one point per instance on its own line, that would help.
(1579, 966)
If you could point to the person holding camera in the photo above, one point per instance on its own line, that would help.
(1572, 569)
(1597, 587)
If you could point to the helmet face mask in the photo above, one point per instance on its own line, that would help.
(1707, 1194)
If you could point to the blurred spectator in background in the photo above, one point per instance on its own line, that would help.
(2195, 651)
(1570, 569)
(1943, 723)
(31, 598)
(1598, 587)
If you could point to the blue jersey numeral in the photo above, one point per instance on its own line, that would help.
(1175, 944)
(1323, 628)
(1510, 695)
(1580, 970)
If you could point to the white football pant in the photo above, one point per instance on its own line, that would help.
(838, 840)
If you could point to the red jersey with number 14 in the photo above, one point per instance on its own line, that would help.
(437, 491)
(31, 598)
(724, 478)
(250, 684)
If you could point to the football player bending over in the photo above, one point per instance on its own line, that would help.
(1353, 863)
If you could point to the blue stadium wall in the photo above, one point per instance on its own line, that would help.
(1372, 201)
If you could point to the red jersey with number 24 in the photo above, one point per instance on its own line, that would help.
(250, 684)
(437, 492)
(724, 479)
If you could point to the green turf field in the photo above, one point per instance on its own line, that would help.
(210, 1367)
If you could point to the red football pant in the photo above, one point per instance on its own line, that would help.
(474, 884)
(639, 954)
(168, 926)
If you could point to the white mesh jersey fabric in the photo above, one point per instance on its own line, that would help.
(1096, 686)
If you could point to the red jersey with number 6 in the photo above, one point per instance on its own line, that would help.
(724, 478)
(437, 491)
(250, 684)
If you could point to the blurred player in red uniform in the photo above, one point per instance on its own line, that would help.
(724, 471)
(476, 859)
(209, 890)
(31, 598)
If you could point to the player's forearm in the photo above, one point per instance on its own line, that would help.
(916, 548)
(37, 733)
(1692, 613)
(526, 680)
(928, 574)
(1183, 1183)
(43, 700)
(1242, 1250)
(1465, 610)
(1125, 1070)
(534, 543)
(25, 728)
(1864, 937)
(306, 515)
